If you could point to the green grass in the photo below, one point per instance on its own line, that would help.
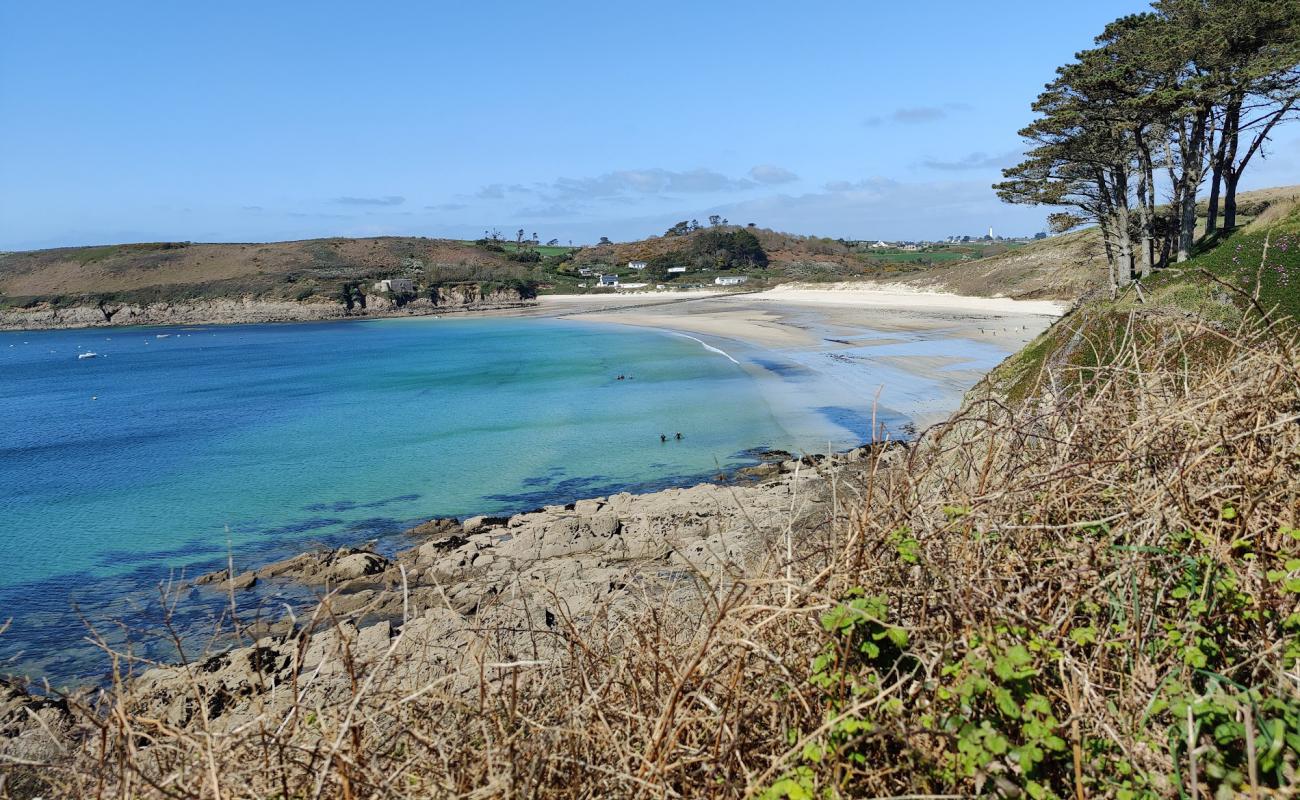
(1085, 340)
(547, 250)
(1239, 260)
(940, 254)
(919, 256)
(86, 255)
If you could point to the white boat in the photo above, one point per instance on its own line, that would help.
(88, 354)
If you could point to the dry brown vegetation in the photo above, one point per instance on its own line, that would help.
(1069, 266)
(1090, 593)
(167, 270)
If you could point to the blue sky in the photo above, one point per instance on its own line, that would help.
(242, 121)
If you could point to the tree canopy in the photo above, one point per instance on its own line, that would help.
(1166, 99)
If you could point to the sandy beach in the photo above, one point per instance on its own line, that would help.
(908, 351)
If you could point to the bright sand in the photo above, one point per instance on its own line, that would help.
(913, 352)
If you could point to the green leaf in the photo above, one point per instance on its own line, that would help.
(1082, 636)
(1006, 703)
(1014, 663)
(995, 743)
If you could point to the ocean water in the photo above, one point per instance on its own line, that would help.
(176, 448)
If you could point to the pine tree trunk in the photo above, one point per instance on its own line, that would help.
(1226, 161)
(1123, 236)
(1172, 235)
(1230, 200)
(1187, 226)
(1124, 248)
(1212, 216)
(1192, 147)
(1146, 256)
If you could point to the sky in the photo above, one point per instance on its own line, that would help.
(266, 121)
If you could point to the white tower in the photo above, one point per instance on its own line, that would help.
(990, 231)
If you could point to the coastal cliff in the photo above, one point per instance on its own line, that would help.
(249, 310)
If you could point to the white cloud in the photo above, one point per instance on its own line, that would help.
(387, 200)
(974, 161)
(771, 174)
(653, 181)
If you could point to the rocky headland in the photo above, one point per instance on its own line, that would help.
(514, 586)
(248, 310)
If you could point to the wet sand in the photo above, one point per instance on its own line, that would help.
(910, 352)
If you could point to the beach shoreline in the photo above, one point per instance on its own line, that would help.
(813, 355)
(915, 353)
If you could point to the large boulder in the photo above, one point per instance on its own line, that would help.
(439, 528)
(358, 565)
(32, 728)
(482, 523)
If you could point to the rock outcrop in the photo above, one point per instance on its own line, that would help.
(248, 310)
(466, 594)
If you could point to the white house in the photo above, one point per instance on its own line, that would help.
(880, 246)
(636, 265)
(608, 280)
(395, 286)
(678, 270)
(730, 280)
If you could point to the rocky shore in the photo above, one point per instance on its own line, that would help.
(246, 311)
(513, 587)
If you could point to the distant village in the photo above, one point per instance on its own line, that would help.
(987, 238)
(609, 280)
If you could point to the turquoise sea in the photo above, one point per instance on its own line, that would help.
(174, 447)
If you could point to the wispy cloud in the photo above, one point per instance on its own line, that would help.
(387, 200)
(250, 208)
(973, 161)
(653, 181)
(498, 191)
(887, 208)
(552, 211)
(771, 174)
(917, 115)
(447, 207)
(874, 184)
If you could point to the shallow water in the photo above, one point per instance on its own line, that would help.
(175, 447)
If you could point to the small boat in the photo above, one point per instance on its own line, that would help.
(88, 354)
(162, 336)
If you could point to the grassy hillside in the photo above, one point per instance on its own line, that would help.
(1252, 273)
(315, 269)
(282, 270)
(1063, 267)
(303, 270)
